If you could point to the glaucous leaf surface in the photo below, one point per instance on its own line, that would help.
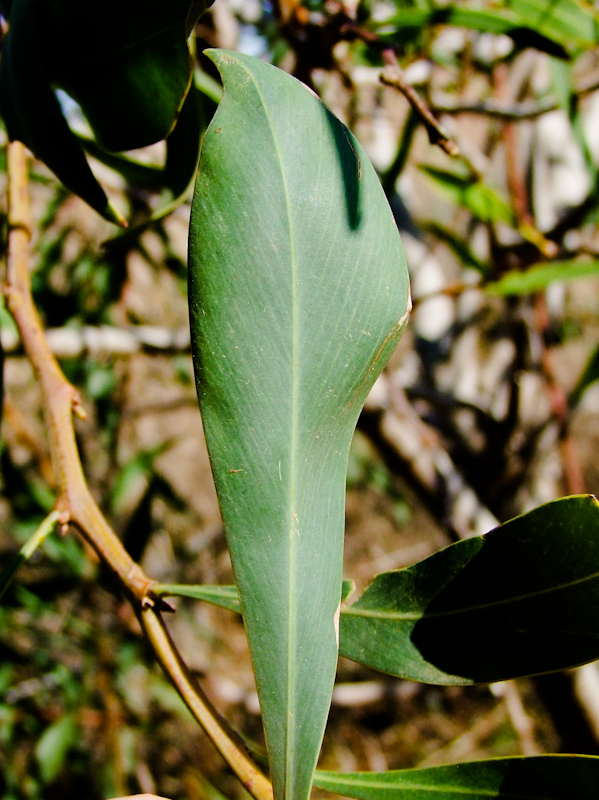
(520, 600)
(560, 777)
(298, 295)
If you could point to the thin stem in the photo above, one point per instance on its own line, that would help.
(196, 701)
(28, 549)
(405, 143)
(59, 398)
(75, 505)
(393, 75)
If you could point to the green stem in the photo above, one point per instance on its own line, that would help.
(28, 549)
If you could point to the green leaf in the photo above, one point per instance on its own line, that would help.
(539, 277)
(409, 24)
(28, 549)
(459, 247)
(520, 600)
(53, 747)
(589, 375)
(32, 114)
(223, 596)
(481, 200)
(298, 295)
(538, 778)
(129, 67)
(567, 21)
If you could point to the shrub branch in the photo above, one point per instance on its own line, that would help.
(75, 504)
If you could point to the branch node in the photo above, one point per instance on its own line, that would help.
(78, 408)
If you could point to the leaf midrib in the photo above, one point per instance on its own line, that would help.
(290, 720)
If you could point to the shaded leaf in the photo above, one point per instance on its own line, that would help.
(456, 243)
(520, 600)
(32, 114)
(128, 68)
(589, 375)
(560, 777)
(298, 294)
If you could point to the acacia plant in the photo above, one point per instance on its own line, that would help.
(298, 294)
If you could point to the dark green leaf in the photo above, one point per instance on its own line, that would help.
(539, 778)
(589, 376)
(521, 600)
(298, 295)
(128, 66)
(32, 114)
(459, 246)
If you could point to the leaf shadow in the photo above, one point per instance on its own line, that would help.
(350, 164)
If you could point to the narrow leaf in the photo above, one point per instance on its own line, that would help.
(28, 549)
(568, 21)
(298, 295)
(560, 777)
(53, 747)
(520, 600)
(539, 277)
(223, 596)
(410, 23)
(589, 375)
(482, 201)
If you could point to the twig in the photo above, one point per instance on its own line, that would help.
(393, 75)
(60, 399)
(201, 708)
(75, 503)
(515, 113)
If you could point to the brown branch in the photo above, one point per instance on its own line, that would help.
(226, 741)
(59, 398)
(393, 75)
(517, 112)
(75, 503)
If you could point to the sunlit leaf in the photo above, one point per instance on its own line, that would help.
(54, 745)
(298, 294)
(410, 22)
(539, 277)
(481, 200)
